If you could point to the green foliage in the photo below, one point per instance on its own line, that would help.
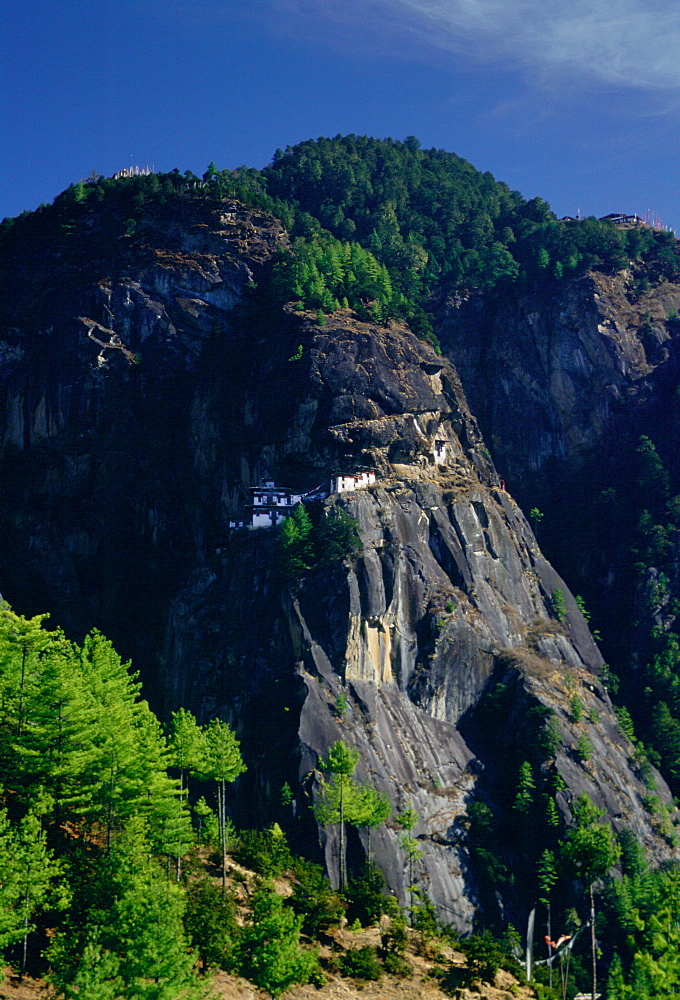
(366, 896)
(74, 731)
(295, 547)
(576, 708)
(396, 965)
(313, 898)
(408, 819)
(625, 722)
(264, 851)
(134, 934)
(304, 544)
(526, 787)
(31, 880)
(269, 952)
(558, 608)
(483, 846)
(584, 749)
(484, 957)
(361, 963)
(343, 800)
(546, 872)
(221, 763)
(336, 536)
(393, 938)
(210, 923)
(431, 218)
(581, 605)
(322, 273)
(590, 846)
(643, 917)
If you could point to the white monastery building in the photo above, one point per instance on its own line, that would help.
(271, 503)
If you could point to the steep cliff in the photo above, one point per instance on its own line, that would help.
(552, 375)
(144, 391)
(565, 382)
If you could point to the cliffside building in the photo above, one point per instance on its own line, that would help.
(346, 482)
(271, 503)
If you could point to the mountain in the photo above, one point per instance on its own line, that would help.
(170, 343)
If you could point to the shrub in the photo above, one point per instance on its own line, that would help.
(313, 899)
(361, 963)
(264, 851)
(396, 965)
(576, 708)
(484, 957)
(210, 923)
(558, 608)
(269, 952)
(365, 895)
(393, 939)
(584, 748)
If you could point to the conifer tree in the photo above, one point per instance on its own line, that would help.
(369, 808)
(336, 796)
(269, 951)
(222, 763)
(408, 820)
(38, 875)
(592, 850)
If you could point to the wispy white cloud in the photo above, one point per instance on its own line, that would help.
(633, 43)
(624, 42)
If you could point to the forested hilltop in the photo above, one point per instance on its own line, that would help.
(391, 703)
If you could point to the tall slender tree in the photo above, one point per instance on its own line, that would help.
(336, 795)
(223, 764)
(591, 848)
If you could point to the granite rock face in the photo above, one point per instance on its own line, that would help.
(546, 375)
(130, 443)
(563, 384)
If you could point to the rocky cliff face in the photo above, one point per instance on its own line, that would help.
(140, 405)
(546, 374)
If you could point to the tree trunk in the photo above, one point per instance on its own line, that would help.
(549, 945)
(20, 720)
(25, 948)
(221, 796)
(179, 835)
(341, 865)
(592, 938)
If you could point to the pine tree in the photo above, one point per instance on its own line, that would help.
(147, 935)
(369, 808)
(38, 878)
(11, 885)
(526, 787)
(294, 544)
(269, 951)
(21, 642)
(222, 764)
(592, 850)
(336, 796)
(546, 871)
(408, 820)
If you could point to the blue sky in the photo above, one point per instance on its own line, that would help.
(577, 101)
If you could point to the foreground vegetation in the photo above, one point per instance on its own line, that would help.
(118, 878)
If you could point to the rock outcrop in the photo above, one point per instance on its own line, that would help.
(128, 445)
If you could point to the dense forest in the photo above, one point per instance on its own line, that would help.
(381, 225)
(116, 825)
